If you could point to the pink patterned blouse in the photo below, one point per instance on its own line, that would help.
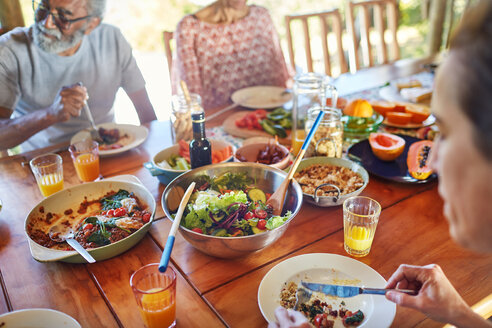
(217, 59)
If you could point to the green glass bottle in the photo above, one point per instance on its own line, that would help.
(200, 147)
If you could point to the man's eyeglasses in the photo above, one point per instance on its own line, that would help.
(42, 10)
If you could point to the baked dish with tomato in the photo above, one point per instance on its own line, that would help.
(94, 223)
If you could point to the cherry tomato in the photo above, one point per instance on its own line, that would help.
(260, 214)
(146, 217)
(197, 230)
(321, 320)
(249, 215)
(120, 211)
(88, 226)
(110, 212)
(261, 224)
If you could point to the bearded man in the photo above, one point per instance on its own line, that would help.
(49, 69)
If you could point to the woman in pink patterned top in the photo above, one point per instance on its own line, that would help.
(225, 47)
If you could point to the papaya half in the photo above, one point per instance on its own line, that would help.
(418, 159)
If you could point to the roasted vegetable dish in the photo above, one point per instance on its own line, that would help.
(95, 223)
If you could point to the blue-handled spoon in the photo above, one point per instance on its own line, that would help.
(166, 254)
(278, 197)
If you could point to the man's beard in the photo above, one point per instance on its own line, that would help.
(58, 44)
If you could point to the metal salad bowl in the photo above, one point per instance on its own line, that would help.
(266, 178)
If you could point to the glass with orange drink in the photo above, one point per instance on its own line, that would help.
(85, 156)
(155, 293)
(360, 219)
(48, 171)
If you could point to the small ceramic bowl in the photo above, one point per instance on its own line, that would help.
(250, 153)
(167, 175)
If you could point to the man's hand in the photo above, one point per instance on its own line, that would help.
(68, 102)
(289, 319)
(436, 297)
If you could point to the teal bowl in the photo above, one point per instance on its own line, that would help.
(356, 129)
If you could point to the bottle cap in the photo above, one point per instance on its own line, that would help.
(198, 117)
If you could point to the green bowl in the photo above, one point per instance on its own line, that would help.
(356, 129)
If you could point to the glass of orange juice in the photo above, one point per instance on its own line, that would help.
(360, 218)
(85, 156)
(48, 171)
(155, 293)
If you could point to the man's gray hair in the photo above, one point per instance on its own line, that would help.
(96, 7)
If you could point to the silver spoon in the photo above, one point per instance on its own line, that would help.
(59, 234)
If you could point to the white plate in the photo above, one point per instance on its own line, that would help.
(429, 121)
(137, 134)
(261, 96)
(38, 318)
(326, 268)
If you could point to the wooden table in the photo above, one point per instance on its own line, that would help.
(214, 292)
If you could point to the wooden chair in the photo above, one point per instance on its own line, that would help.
(378, 7)
(336, 28)
(168, 37)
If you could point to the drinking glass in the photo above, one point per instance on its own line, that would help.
(360, 218)
(48, 171)
(155, 293)
(85, 156)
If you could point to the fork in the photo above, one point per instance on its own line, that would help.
(92, 129)
(302, 296)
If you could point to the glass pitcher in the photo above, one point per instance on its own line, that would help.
(310, 90)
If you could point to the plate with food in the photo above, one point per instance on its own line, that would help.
(117, 138)
(278, 288)
(404, 114)
(410, 91)
(260, 123)
(328, 181)
(261, 96)
(38, 318)
(389, 156)
(106, 217)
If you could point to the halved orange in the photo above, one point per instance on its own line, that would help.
(399, 118)
(419, 112)
(386, 146)
(359, 108)
(383, 107)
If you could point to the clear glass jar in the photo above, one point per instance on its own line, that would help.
(182, 128)
(328, 138)
(310, 90)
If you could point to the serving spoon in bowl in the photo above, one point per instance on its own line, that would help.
(59, 234)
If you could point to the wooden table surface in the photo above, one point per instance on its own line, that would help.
(215, 292)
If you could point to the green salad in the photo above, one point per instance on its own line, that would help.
(230, 206)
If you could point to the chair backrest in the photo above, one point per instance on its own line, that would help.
(378, 7)
(336, 24)
(167, 36)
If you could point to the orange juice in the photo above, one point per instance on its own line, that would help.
(358, 238)
(87, 166)
(297, 141)
(50, 183)
(158, 309)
